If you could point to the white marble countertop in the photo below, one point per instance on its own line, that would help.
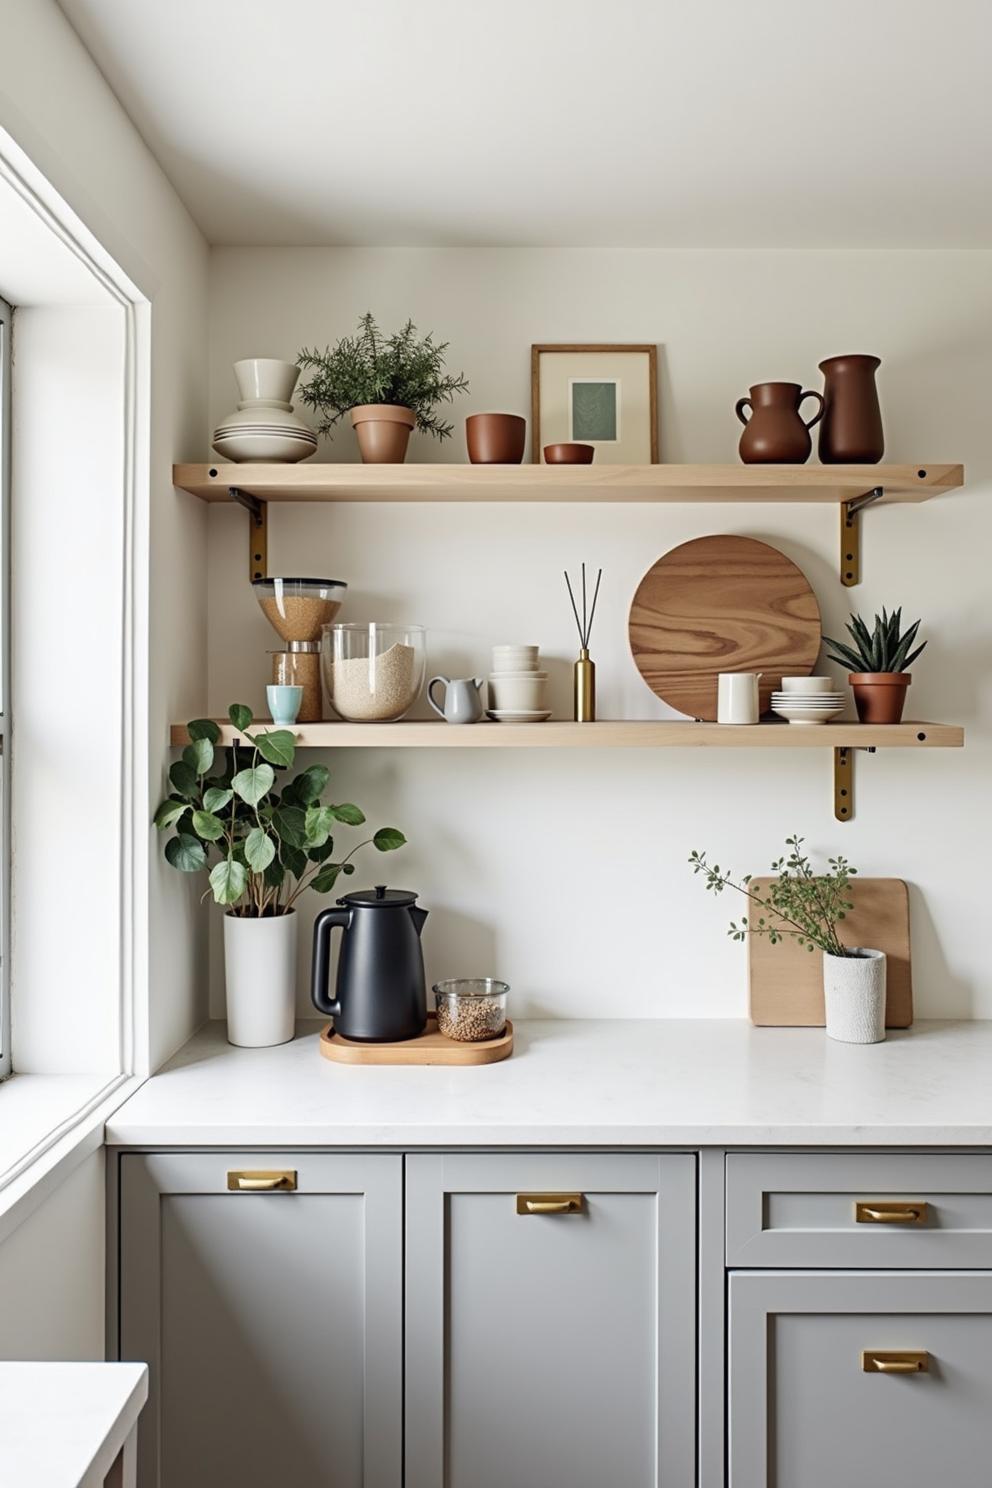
(662, 1083)
(63, 1425)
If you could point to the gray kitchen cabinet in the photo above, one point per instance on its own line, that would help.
(809, 1406)
(270, 1316)
(550, 1317)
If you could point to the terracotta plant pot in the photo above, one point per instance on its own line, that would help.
(851, 431)
(880, 696)
(495, 438)
(569, 454)
(383, 431)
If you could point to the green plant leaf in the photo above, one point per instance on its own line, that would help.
(254, 783)
(228, 880)
(186, 853)
(350, 815)
(322, 853)
(207, 826)
(388, 839)
(294, 859)
(199, 756)
(203, 728)
(326, 878)
(291, 824)
(319, 825)
(169, 813)
(241, 716)
(215, 798)
(260, 850)
(278, 747)
(310, 784)
(274, 875)
(183, 777)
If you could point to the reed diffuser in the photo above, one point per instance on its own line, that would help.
(584, 691)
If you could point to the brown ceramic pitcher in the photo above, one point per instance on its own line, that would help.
(851, 432)
(776, 433)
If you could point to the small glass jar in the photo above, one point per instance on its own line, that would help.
(373, 673)
(471, 1010)
(299, 666)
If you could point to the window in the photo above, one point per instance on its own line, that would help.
(5, 330)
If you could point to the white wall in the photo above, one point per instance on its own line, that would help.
(566, 873)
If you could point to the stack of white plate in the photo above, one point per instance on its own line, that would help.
(805, 708)
(264, 439)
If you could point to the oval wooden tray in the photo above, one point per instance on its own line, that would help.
(430, 1048)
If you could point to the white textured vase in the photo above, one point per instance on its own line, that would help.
(260, 974)
(854, 994)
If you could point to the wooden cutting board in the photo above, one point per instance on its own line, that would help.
(722, 604)
(785, 983)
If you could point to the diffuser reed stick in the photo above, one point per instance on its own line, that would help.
(584, 685)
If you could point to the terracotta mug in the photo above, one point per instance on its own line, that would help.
(776, 433)
(495, 438)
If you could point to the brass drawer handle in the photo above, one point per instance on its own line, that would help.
(898, 1361)
(262, 1181)
(550, 1203)
(882, 1211)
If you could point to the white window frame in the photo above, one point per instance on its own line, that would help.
(6, 331)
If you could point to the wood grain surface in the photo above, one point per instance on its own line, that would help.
(722, 604)
(430, 1048)
(785, 983)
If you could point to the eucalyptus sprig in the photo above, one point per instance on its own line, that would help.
(402, 369)
(806, 907)
(271, 845)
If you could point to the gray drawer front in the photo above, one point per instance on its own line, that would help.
(791, 1209)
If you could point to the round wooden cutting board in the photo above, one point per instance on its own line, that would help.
(722, 604)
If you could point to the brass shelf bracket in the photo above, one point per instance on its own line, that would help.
(850, 535)
(258, 530)
(843, 784)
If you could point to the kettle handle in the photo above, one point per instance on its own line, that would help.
(325, 922)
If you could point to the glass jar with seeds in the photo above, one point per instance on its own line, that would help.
(471, 1009)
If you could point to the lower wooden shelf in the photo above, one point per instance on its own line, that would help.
(611, 734)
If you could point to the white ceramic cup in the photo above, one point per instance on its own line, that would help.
(809, 684)
(525, 692)
(515, 658)
(737, 697)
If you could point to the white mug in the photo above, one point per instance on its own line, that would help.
(737, 697)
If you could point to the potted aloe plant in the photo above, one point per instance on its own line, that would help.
(807, 907)
(267, 847)
(878, 663)
(386, 384)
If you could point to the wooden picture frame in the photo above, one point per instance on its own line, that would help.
(582, 349)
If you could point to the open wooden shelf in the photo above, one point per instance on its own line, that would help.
(618, 734)
(686, 483)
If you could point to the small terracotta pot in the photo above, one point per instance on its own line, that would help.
(495, 438)
(569, 454)
(880, 696)
(383, 432)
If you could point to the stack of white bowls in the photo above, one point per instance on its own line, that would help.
(264, 426)
(518, 689)
(806, 700)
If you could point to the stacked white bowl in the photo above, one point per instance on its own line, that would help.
(518, 689)
(808, 700)
(264, 426)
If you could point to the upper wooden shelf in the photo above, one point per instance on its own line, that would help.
(689, 483)
(615, 734)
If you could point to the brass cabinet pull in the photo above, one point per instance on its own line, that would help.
(549, 1203)
(881, 1211)
(895, 1361)
(262, 1181)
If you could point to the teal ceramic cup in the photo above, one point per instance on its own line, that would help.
(284, 704)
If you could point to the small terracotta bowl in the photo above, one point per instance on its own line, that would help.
(569, 454)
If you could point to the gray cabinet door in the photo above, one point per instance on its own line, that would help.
(271, 1321)
(805, 1413)
(550, 1349)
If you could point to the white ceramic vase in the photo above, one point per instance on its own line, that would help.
(260, 975)
(264, 426)
(854, 994)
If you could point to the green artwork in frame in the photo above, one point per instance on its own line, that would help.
(594, 409)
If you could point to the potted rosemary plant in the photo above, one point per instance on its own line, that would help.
(269, 846)
(386, 384)
(878, 663)
(807, 907)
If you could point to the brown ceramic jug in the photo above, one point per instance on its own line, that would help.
(851, 432)
(776, 433)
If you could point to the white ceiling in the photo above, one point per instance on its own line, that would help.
(656, 123)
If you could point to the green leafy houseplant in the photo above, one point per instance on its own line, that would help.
(884, 649)
(402, 369)
(271, 846)
(800, 905)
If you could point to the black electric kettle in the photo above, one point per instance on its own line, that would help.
(380, 986)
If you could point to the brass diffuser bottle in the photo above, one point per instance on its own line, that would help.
(584, 683)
